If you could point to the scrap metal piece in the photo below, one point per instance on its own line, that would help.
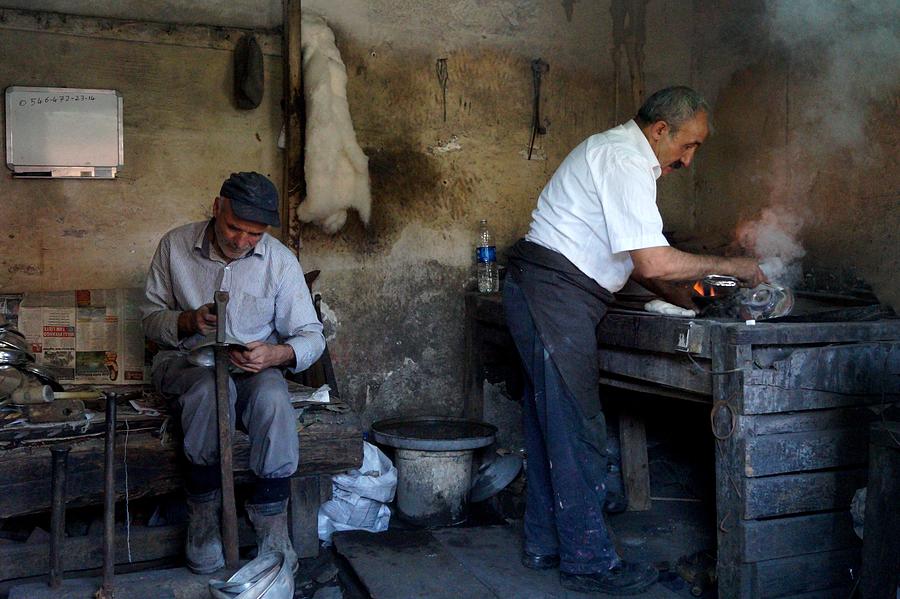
(766, 301)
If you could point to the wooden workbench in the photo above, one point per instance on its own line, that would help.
(330, 442)
(790, 405)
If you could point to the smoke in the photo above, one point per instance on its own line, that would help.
(855, 45)
(773, 238)
(844, 56)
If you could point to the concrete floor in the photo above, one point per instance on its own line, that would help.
(483, 561)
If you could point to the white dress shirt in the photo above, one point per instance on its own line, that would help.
(601, 203)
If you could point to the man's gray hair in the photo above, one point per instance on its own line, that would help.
(675, 105)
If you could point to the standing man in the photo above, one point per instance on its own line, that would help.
(271, 313)
(596, 224)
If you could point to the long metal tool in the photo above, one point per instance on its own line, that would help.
(109, 500)
(223, 408)
(60, 465)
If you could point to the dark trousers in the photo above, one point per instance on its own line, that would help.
(566, 457)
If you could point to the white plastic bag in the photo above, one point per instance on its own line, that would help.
(359, 496)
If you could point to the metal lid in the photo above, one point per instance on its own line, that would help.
(434, 434)
(495, 477)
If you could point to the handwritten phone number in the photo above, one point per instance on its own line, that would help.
(37, 101)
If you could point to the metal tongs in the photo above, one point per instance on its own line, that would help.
(721, 281)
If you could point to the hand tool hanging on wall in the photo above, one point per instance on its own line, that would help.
(538, 68)
(223, 409)
(59, 467)
(443, 77)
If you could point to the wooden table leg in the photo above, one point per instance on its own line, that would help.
(473, 377)
(304, 515)
(635, 465)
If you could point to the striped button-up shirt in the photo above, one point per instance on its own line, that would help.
(268, 297)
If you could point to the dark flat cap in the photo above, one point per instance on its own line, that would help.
(253, 197)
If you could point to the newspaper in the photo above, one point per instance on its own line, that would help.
(87, 336)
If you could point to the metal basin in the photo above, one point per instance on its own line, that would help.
(434, 465)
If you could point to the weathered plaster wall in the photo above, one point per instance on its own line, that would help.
(395, 290)
(182, 138)
(806, 100)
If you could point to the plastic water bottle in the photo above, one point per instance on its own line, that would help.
(486, 261)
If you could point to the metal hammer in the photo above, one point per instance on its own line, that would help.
(223, 409)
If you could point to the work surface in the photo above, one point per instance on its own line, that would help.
(330, 441)
(790, 407)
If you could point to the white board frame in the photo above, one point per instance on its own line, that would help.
(64, 132)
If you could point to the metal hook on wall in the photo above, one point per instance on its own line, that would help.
(443, 77)
(538, 68)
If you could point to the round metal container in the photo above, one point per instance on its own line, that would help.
(434, 465)
(434, 434)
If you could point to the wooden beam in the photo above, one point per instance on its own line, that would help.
(192, 36)
(331, 443)
(294, 108)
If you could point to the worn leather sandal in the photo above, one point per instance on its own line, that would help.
(625, 578)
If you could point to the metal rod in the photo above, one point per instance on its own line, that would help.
(223, 409)
(109, 498)
(59, 467)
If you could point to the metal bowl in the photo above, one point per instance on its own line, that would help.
(269, 576)
(10, 329)
(10, 340)
(44, 375)
(14, 357)
(10, 380)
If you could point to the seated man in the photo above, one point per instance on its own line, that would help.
(271, 313)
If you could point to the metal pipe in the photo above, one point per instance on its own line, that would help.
(223, 409)
(59, 467)
(109, 499)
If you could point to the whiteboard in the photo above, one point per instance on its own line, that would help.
(58, 131)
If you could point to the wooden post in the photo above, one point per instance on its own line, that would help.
(635, 464)
(304, 515)
(881, 551)
(294, 186)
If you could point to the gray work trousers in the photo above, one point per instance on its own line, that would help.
(262, 405)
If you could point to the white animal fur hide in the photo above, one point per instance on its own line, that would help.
(337, 171)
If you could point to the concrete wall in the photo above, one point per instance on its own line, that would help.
(394, 291)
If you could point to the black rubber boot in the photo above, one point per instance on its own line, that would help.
(270, 523)
(626, 578)
(203, 547)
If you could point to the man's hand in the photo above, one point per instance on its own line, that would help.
(200, 321)
(260, 355)
(748, 271)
